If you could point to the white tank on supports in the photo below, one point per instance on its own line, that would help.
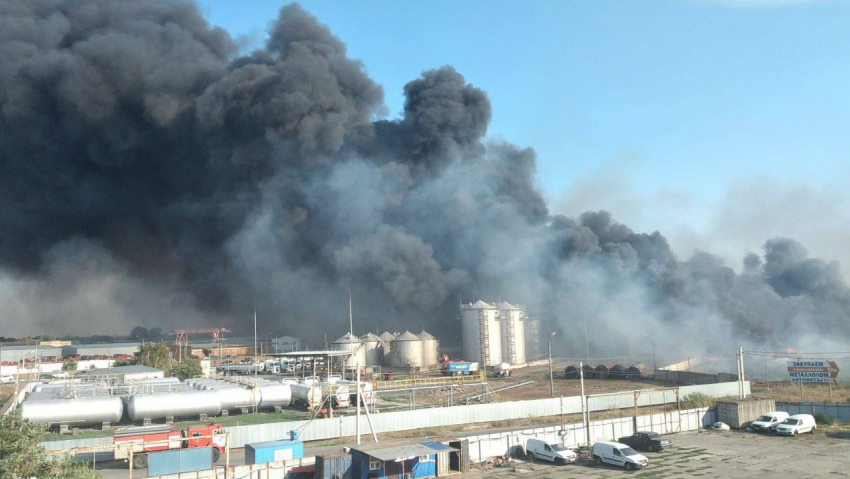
(373, 349)
(512, 319)
(352, 343)
(482, 334)
(430, 345)
(409, 349)
(73, 411)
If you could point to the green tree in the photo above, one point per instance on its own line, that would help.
(70, 364)
(22, 457)
(123, 362)
(154, 355)
(189, 368)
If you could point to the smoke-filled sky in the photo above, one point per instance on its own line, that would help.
(155, 171)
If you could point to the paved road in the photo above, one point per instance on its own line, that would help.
(710, 454)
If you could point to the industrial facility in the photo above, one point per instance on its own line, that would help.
(496, 333)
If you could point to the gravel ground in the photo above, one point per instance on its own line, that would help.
(713, 454)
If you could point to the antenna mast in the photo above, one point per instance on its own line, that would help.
(350, 315)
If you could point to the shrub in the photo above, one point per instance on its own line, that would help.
(823, 420)
(697, 400)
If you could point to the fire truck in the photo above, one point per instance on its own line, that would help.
(143, 440)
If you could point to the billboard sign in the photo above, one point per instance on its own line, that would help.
(813, 371)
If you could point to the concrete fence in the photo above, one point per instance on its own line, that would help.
(345, 426)
(839, 411)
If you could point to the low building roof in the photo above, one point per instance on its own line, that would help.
(138, 368)
(401, 452)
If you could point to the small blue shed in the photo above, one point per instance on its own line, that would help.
(179, 460)
(401, 460)
(273, 451)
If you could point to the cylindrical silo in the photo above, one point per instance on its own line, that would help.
(373, 347)
(409, 349)
(76, 412)
(618, 371)
(352, 343)
(512, 320)
(589, 371)
(429, 348)
(482, 335)
(571, 372)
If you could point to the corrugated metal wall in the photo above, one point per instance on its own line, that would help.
(840, 411)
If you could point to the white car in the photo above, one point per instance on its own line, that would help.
(6, 379)
(797, 424)
(768, 421)
(549, 451)
(618, 455)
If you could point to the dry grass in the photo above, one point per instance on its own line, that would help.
(790, 392)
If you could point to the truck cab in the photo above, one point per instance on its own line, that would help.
(216, 441)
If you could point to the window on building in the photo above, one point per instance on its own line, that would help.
(374, 464)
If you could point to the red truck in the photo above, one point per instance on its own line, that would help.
(147, 439)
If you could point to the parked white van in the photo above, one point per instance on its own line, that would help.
(548, 451)
(618, 455)
(797, 424)
(768, 421)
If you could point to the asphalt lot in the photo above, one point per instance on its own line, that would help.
(711, 454)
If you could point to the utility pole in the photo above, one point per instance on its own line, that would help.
(254, 365)
(357, 423)
(743, 376)
(583, 404)
(654, 363)
(551, 375)
(586, 346)
(350, 315)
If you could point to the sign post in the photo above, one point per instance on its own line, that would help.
(813, 371)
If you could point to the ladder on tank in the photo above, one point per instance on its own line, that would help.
(484, 336)
(510, 336)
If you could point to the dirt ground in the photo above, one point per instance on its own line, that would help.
(790, 392)
(711, 454)
(539, 389)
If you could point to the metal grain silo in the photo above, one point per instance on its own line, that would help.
(373, 347)
(350, 342)
(512, 320)
(387, 336)
(409, 348)
(430, 344)
(183, 404)
(73, 412)
(482, 335)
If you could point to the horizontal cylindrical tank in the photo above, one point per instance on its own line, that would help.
(618, 371)
(636, 371)
(306, 397)
(233, 398)
(78, 412)
(571, 372)
(275, 395)
(589, 371)
(183, 404)
(603, 371)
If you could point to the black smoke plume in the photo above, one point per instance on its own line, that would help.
(149, 175)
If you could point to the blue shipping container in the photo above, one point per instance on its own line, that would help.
(179, 460)
(273, 451)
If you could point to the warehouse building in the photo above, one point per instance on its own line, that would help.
(107, 350)
(123, 374)
(16, 354)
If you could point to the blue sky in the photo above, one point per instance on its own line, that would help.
(676, 102)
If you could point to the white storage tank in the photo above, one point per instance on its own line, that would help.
(482, 334)
(73, 412)
(349, 342)
(430, 345)
(512, 318)
(409, 349)
(373, 349)
(184, 404)
(387, 337)
(275, 395)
